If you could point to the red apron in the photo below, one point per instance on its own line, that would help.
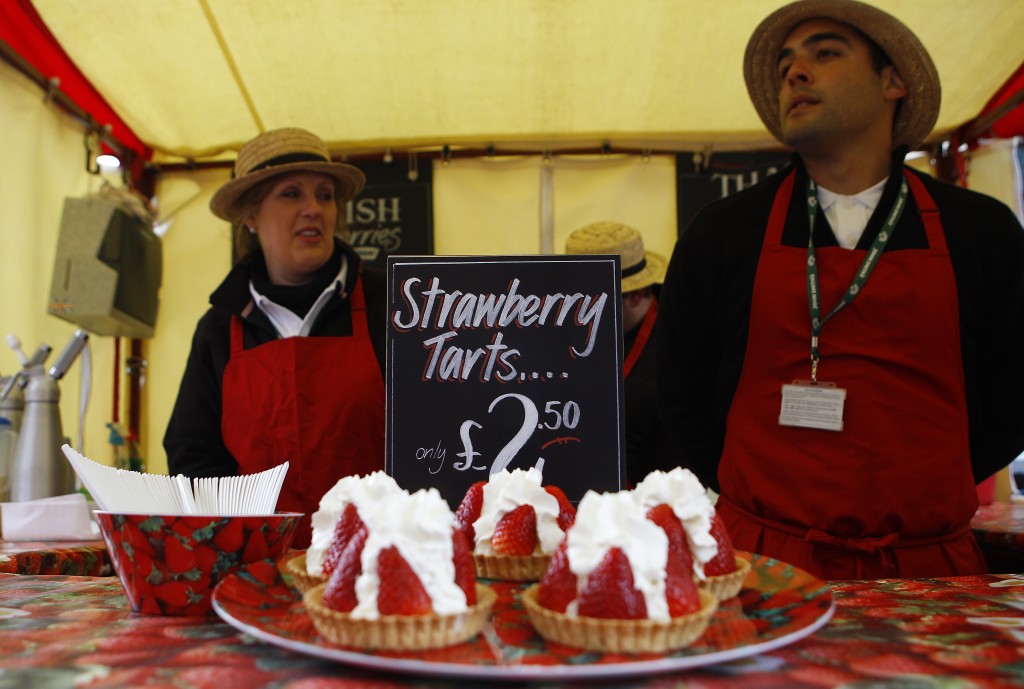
(892, 494)
(317, 402)
(642, 336)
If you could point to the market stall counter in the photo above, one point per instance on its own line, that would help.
(66, 631)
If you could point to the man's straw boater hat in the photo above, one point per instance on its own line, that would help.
(277, 152)
(920, 107)
(639, 268)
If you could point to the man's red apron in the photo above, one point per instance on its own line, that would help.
(317, 402)
(892, 494)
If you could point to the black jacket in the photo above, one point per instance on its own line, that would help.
(648, 447)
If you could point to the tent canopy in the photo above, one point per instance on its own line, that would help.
(196, 78)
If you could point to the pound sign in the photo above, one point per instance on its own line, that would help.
(467, 443)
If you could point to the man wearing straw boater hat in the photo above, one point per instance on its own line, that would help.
(287, 364)
(839, 345)
(647, 444)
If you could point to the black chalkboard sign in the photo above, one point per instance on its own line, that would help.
(504, 362)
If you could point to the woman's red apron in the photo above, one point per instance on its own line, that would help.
(892, 494)
(316, 402)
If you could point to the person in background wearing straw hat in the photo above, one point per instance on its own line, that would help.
(647, 444)
(840, 344)
(287, 364)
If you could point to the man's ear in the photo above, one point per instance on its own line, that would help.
(894, 88)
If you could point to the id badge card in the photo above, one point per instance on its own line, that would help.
(812, 405)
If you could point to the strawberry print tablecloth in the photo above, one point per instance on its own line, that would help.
(999, 528)
(65, 631)
(1000, 523)
(72, 558)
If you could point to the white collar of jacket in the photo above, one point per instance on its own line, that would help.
(285, 321)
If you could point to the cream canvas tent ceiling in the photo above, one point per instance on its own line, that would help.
(195, 78)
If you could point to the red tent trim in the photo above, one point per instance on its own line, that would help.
(1012, 123)
(24, 31)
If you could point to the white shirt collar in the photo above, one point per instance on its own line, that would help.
(849, 215)
(284, 320)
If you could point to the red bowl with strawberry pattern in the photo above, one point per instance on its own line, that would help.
(170, 564)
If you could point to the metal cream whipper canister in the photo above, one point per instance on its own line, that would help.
(12, 397)
(39, 468)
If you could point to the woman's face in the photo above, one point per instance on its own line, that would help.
(295, 226)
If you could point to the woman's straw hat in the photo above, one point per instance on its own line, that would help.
(920, 107)
(277, 152)
(639, 268)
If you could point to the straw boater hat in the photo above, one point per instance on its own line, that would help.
(277, 152)
(639, 268)
(920, 107)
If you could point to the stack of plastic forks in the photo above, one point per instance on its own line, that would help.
(132, 492)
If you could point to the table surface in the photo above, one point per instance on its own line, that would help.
(1000, 525)
(66, 631)
(1000, 518)
(999, 529)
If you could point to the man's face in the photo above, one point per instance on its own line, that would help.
(830, 95)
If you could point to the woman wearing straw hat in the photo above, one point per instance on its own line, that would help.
(840, 343)
(286, 365)
(647, 444)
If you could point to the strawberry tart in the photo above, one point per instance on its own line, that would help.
(403, 581)
(621, 581)
(715, 565)
(514, 524)
(334, 523)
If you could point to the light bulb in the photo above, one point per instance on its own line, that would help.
(108, 162)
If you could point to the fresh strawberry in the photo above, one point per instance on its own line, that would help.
(469, 511)
(566, 512)
(725, 561)
(465, 569)
(558, 587)
(609, 591)
(680, 589)
(346, 526)
(400, 591)
(516, 532)
(340, 593)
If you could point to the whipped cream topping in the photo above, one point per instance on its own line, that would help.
(420, 525)
(363, 491)
(681, 490)
(609, 520)
(507, 490)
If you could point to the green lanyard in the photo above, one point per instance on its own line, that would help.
(861, 277)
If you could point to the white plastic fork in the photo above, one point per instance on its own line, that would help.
(117, 490)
